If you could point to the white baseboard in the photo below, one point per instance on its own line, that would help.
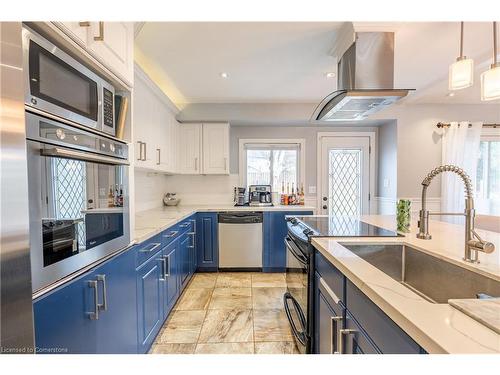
(387, 206)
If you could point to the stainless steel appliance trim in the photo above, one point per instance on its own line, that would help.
(16, 308)
(51, 116)
(30, 35)
(95, 314)
(290, 245)
(78, 273)
(33, 133)
(104, 305)
(329, 290)
(84, 156)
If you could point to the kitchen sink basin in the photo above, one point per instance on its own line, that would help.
(432, 278)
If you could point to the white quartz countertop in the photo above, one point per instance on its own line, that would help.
(151, 222)
(438, 328)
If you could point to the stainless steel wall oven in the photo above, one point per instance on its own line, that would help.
(78, 198)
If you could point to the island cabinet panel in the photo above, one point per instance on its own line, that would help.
(95, 313)
(207, 242)
(363, 326)
(329, 315)
(274, 233)
(171, 277)
(150, 289)
(386, 334)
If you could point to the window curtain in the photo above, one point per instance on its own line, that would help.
(460, 148)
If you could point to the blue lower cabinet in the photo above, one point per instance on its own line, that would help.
(329, 316)
(275, 230)
(171, 279)
(63, 321)
(207, 248)
(94, 313)
(150, 290)
(354, 340)
(184, 259)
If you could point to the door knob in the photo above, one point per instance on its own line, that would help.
(325, 207)
(325, 199)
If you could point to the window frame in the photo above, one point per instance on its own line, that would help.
(487, 135)
(301, 157)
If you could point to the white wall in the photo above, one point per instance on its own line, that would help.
(387, 161)
(149, 190)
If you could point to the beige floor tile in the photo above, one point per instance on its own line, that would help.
(268, 298)
(227, 326)
(173, 349)
(203, 280)
(234, 280)
(231, 298)
(225, 348)
(284, 347)
(271, 325)
(194, 299)
(269, 280)
(183, 327)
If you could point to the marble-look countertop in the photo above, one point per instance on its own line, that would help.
(151, 222)
(438, 328)
(486, 311)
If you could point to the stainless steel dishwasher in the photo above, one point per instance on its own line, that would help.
(240, 240)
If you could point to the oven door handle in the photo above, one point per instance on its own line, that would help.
(295, 252)
(299, 335)
(83, 156)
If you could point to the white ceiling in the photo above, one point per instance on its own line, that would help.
(287, 62)
(266, 62)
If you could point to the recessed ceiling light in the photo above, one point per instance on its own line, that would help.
(330, 75)
(450, 94)
(224, 75)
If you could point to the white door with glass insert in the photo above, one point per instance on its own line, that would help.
(345, 175)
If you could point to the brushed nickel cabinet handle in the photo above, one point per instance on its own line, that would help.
(341, 338)
(104, 305)
(163, 270)
(84, 23)
(334, 340)
(100, 37)
(159, 156)
(95, 314)
(195, 164)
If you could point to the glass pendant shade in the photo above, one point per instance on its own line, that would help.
(490, 84)
(461, 74)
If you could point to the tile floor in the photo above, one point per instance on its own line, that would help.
(228, 313)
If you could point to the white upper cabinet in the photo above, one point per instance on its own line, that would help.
(216, 148)
(154, 127)
(204, 148)
(112, 43)
(190, 148)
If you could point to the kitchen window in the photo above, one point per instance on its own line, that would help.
(488, 174)
(271, 162)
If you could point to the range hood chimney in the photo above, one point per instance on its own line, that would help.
(365, 80)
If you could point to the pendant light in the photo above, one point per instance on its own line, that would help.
(461, 71)
(490, 80)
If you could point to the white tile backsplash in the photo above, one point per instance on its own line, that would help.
(149, 190)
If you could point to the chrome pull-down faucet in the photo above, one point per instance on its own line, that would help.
(473, 243)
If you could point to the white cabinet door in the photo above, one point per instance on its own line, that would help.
(142, 122)
(113, 44)
(75, 31)
(189, 148)
(215, 149)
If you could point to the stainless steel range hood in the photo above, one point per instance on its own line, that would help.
(365, 80)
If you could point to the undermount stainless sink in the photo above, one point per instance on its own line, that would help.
(434, 279)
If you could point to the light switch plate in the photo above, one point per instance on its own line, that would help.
(386, 182)
(312, 189)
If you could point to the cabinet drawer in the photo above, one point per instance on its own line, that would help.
(147, 249)
(331, 275)
(386, 334)
(171, 234)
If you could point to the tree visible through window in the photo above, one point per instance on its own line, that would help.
(272, 165)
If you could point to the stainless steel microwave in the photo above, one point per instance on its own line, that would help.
(58, 84)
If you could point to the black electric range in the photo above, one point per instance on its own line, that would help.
(298, 299)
